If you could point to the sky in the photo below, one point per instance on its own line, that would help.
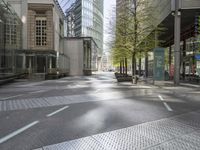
(108, 14)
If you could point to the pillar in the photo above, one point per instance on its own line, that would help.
(177, 39)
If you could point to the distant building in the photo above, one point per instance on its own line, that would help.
(189, 12)
(85, 19)
(83, 55)
(10, 40)
(42, 34)
(33, 42)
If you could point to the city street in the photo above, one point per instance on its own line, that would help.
(97, 113)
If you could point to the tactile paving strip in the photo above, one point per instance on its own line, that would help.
(176, 144)
(87, 143)
(191, 119)
(21, 104)
(152, 132)
(164, 134)
(124, 139)
(171, 127)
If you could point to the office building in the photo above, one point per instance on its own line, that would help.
(85, 19)
(10, 41)
(189, 13)
(83, 55)
(42, 37)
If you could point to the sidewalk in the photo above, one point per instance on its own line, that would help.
(169, 83)
(184, 90)
(181, 132)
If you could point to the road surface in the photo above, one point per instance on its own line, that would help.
(96, 112)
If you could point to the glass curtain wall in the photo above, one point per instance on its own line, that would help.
(10, 40)
(92, 21)
(85, 19)
(90, 56)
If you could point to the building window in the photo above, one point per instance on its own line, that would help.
(11, 31)
(41, 31)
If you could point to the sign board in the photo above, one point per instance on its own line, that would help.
(159, 64)
(198, 68)
(197, 57)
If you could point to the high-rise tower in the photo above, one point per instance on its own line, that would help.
(85, 19)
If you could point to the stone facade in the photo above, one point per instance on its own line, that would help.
(40, 10)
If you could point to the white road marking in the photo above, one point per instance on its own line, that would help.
(161, 98)
(57, 111)
(5, 98)
(11, 135)
(37, 92)
(97, 90)
(166, 105)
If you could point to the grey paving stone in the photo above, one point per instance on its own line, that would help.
(164, 134)
(176, 144)
(87, 143)
(191, 119)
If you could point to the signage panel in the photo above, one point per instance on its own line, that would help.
(197, 57)
(159, 64)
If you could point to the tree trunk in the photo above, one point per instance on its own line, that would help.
(120, 67)
(146, 65)
(123, 66)
(126, 66)
(134, 69)
(140, 67)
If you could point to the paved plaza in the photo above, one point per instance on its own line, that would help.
(97, 113)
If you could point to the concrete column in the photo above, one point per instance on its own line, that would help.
(177, 39)
(46, 65)
(50, 64)
(30, 65)
(184, 54)
(24, 62)
(170, 60)
(13, 61)
(86, 55)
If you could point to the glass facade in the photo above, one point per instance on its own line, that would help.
(14, 60)
(10, 40)
(87, 20)
(90, 55)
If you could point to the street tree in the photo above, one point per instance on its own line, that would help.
(136, 32)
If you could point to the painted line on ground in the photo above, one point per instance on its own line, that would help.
(98, 90)
(57, 111)
(165, 104)
(5, 98)
(40, 91)
(11, 135)
(161, 98)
